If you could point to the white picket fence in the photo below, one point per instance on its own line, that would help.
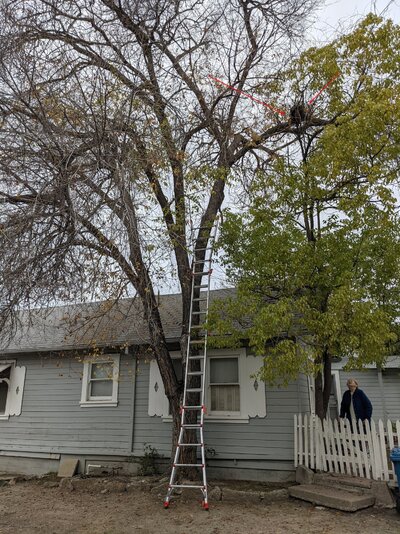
(333, 446)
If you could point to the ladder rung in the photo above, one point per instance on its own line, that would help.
(194, 390)
(201, 273)
(190, 445)
(199, 312)
(202, 249)
(188, 465)
(199, 300)
(195, 373)
(197, 425)
(197, 341)
(199, 262)
(199, 357)
(192, 407)
(202, 286)
(185, 486)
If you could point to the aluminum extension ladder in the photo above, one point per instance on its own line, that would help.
(196, 356)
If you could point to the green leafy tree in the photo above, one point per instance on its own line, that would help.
(316, 256)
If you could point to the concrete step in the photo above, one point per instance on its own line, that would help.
(347, 482)
(332, 497)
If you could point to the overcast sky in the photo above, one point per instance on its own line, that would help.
(337, 15)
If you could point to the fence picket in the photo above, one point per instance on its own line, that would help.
(327, 445)
(301, 459)
(373, 458)
(312, 441)
(381, 435)
(375, 452)
(390, 434)
(324, 462)
(344, 447)
(350, 447)
(333, 446)
(306, 431)
(363, 448)
(338, 446)
(318, 463)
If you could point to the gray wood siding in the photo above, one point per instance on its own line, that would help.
(303, 395)
(391, 391)
(52, 420)
(148, 430)
(269, 438)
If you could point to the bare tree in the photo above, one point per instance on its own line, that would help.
(113, 138)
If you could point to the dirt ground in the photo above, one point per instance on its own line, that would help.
(122, 506)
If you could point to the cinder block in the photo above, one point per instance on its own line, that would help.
(68, 467)
(304, 475)
(384, 498)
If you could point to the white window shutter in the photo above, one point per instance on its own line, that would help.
(252, 390)
(158, 402)
(16, 390)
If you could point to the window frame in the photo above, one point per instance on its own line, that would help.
(223, 413)
(91, 401)
(16, 388)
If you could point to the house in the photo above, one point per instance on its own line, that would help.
(78, 382)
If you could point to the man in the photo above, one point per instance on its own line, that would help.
(355, 404)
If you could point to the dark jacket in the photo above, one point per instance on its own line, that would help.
(362, 405)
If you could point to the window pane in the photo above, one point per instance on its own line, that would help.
(224, 370)
(102, 370)
(3, 397)
(101, 388)
(225, 398)
(177, 364)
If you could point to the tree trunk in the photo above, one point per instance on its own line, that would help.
(323, 383)
(319, 404)
(327, 380)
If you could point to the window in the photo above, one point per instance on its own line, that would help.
(232, 394)
(224, 385)
(12, 380)
(100, 381)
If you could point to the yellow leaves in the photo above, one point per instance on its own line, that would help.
(181, 155)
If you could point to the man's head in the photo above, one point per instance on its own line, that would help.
(352, 384)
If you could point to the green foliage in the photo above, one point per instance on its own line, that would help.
(316, 259)
(148, 462)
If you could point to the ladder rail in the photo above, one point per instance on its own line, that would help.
(194, 275)
(197, 277)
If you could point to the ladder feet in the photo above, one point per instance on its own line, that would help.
(205, 506)
(166, 504)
